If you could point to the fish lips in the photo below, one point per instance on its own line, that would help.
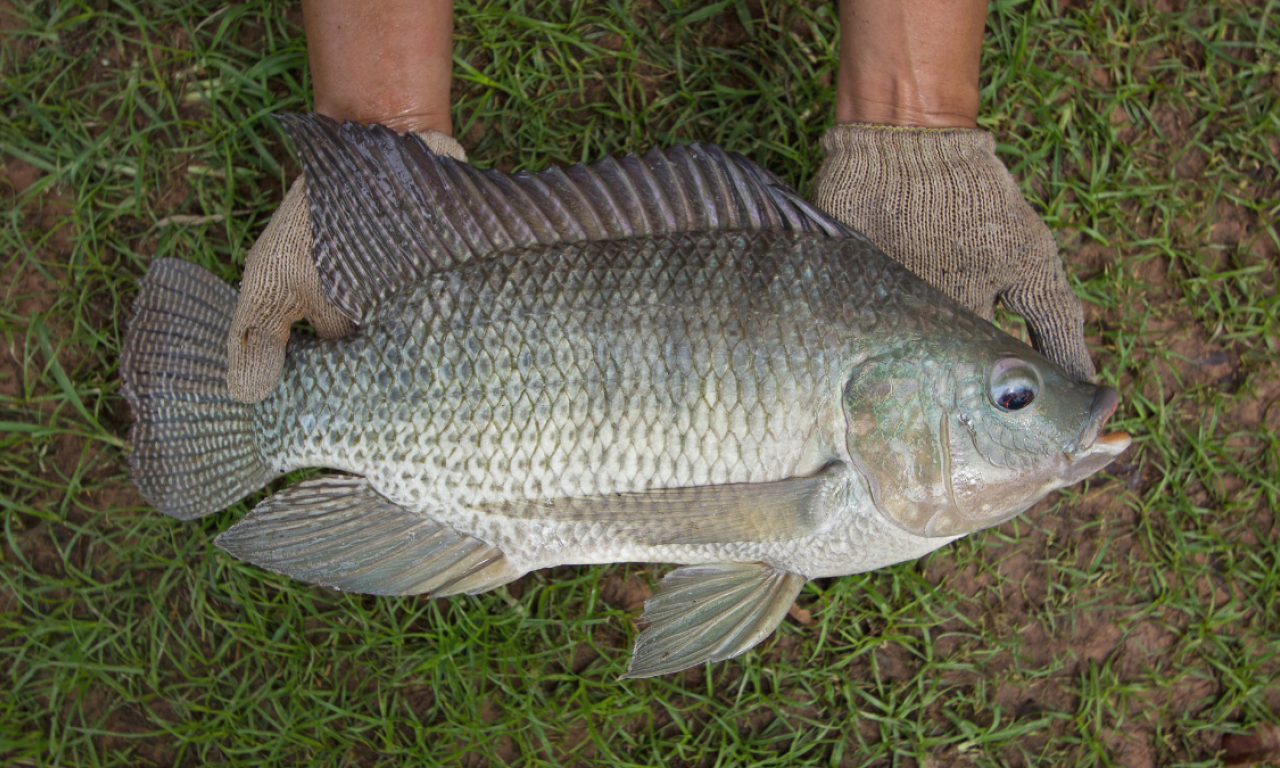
(1092, 449)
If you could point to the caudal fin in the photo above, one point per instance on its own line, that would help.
(193, 446)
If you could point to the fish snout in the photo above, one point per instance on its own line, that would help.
(1091, 441)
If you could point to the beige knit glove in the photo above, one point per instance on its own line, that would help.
(281, 285)
(941, 203)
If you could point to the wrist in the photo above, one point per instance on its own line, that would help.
(401, 115)
(905, 101)
(857, 143)
(382, 61)
(910, 62)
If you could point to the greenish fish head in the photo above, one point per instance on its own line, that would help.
(954, 438)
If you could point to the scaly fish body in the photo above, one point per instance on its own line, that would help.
(671, 359)
(605, 368)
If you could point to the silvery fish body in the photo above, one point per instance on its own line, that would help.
(612, 368)
(615, 375)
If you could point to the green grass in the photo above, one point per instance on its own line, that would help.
(1130, 621)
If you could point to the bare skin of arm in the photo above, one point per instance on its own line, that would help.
(382, 61)
(902, 62)
(910, 62)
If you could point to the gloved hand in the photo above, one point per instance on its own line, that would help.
(281, 285)
(941, 203)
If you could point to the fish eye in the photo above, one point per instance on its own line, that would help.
(1014, 384)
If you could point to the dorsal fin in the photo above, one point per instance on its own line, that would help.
(385, 211)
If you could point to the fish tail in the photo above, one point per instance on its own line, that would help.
(194, 448)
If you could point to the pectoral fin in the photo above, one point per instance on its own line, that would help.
(337, 532)
(711, 612)
(785, 509)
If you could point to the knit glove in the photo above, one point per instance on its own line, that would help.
(281, 285)
(941, 203)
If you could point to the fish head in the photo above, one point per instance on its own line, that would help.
(953, 438)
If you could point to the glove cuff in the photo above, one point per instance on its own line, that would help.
(943, 145)
(443, 144)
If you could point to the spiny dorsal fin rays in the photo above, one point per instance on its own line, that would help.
(486, 229)
(386, 211)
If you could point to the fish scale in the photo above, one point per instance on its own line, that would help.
(695, 394)
(671, 358)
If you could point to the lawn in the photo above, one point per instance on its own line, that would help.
(1129, 621)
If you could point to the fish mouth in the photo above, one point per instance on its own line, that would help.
(1091, 441)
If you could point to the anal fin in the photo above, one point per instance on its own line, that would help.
(711, 612)
(337, 532)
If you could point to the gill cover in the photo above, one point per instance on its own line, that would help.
(897, 436)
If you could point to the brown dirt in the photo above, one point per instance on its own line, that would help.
(32, 288)
(1261, 745)
(627, 594)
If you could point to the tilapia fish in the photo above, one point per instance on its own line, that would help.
(668, 358)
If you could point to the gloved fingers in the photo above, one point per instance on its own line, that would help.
(443, 144)
(943, 204)
(1036, 286)
(931, 199)
(282, 285)
(273, 295)
(324, 317)
(278, 289)
(255, 351)
(1055, 317)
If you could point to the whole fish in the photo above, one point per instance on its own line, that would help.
(671, 358)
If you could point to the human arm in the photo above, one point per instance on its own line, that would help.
(907, 166)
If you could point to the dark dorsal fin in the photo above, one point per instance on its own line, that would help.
(386, 211)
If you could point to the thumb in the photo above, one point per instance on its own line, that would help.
(267, 306)
(1053, 313)
(255, 352)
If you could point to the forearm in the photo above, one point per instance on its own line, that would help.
(910, 62)
(382, 61)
